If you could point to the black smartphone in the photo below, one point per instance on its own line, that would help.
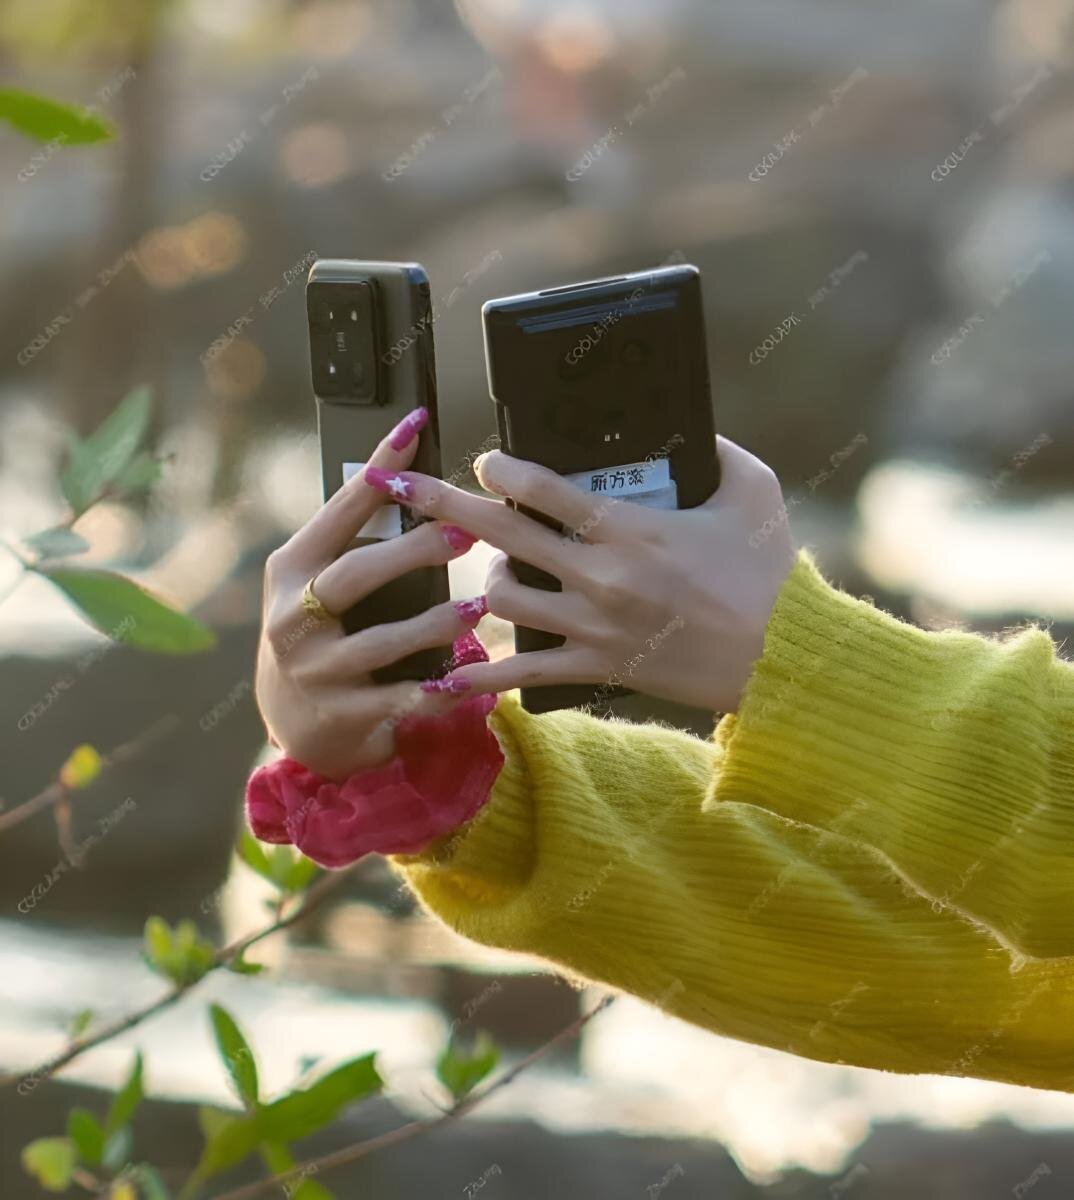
(607, 383)
(372, 362)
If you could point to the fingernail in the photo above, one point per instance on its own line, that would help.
(392, 482)
(477, 461)
(457, 538)
(446, 686)
(465, 650)
(471, 611)
(408, 428)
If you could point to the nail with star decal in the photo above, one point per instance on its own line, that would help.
(392, 482)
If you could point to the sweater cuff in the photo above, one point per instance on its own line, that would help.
(938, 750)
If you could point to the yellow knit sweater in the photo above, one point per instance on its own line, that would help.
(872, 862)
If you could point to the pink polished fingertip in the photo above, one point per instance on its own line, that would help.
(457, 538)
(408, 428)
(446, 686)
(471, 611)
(391, 482)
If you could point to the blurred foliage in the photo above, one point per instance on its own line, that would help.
(44, 119)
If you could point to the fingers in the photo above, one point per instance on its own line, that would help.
(490, 520)
(569, 614)
(593, 517)
(379, 645)
(739, 469)
(334, 526)
(536, 668)
(358, 572)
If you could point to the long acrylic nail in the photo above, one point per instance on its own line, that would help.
(392, 482)
(457, 538)
(471, 611)
(446, 686)
(408, 428)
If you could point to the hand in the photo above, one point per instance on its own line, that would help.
(672, 603)
(313, 681)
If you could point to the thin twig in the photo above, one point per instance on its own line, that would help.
(350, 1154)
(56, 791)
(311, 898)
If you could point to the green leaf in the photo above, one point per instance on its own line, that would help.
(241, 967)
(304, 1111)
(279, 1159)
(252, 853)
(80, 1022)
(57, 542)
(460, 1073)
(127, 1100)
(85, 1131)
(283, 866)
(212, 1120)
(149, 1181)
(51, 1161)
(104, 456)
(236, 1053)
(44, 119)
(117, 1150)
(138, 475)
(126, 612)
(159, 944)
(233, 1139)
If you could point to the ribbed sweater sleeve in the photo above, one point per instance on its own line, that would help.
(800, 880)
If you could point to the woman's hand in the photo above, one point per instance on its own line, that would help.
(313, 681)
(672, 603)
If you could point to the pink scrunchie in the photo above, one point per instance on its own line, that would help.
(441, 775)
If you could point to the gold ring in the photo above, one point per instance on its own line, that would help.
(313, 606)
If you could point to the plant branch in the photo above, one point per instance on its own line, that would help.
(311, 898)
(350, 1154)
(57, 791)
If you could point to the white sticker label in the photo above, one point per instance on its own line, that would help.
(648, 483)
(386, 522)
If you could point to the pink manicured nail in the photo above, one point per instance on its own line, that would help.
(392, 482)
(408, 428)
(457, 538)
(446, 686)
(471, 611)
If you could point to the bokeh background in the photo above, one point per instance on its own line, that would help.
(881, 191)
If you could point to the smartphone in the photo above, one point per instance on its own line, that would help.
(372, 362)
(607, 383)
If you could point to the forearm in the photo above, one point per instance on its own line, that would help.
(606, 849)
(949, 753)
